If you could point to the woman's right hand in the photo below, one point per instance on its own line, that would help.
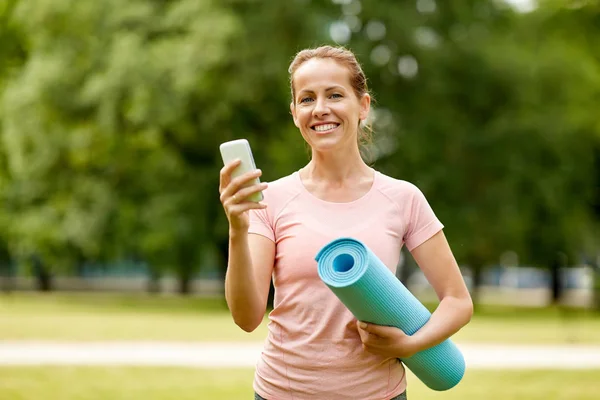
(234, 194)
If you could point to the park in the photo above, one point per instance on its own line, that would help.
(113, 241)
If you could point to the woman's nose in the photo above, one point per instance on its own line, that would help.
(321, 107)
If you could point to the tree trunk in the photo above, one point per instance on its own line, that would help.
(154, 281)
(42, 275)
(271, 296)
(556, 280)
(477, 281)
(43, 280)
(6, 278)
(185, 272)
(223, 249)
(184, 284)
(596, 287)
(405, 268)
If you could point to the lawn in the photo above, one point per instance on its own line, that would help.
(93, 383)
(87, 317)
(90, 317)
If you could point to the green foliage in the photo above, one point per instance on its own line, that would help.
(111, 115)
(492, 120)
(96, 120)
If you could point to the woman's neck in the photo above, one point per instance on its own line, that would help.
(336, 169)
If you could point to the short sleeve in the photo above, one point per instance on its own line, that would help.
(261, 224)
(422, 221)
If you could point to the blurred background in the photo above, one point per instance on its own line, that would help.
(111, 114)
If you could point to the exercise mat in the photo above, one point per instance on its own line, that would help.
(373, 294)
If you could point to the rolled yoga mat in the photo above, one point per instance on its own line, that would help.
(373, 294)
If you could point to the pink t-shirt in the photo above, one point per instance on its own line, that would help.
(313, 349)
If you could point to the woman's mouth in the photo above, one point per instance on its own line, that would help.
(324, 128)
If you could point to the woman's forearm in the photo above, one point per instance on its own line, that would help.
(241, 290)
(448, 318)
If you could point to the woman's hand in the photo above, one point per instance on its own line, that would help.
(234, 193)
(386, 340)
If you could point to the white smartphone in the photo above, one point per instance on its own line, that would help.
(241, 149)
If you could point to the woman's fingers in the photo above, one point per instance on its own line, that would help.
(234, 194)
(225, 174)
(236, 210)
(236, 184)
(242, 194)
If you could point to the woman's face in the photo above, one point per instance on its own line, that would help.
(326, 108)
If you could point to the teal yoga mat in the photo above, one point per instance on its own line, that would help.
(373, 294)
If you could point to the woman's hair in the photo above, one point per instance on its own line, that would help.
(358, 80)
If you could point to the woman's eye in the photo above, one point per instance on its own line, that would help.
(336, 96)
(305, 100)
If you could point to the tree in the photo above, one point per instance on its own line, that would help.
(480, 108)
(563, 174)
(104, 139)
(12, 55)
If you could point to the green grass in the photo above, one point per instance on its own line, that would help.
(87, 317)
(94, 383)
(91, 317)
(114, 383)
(532, 326)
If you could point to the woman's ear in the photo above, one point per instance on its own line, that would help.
(365, 106)
(293, 110)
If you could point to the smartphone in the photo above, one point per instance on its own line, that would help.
(241, 149)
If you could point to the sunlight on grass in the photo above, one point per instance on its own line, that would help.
(88, 326)
(116, 383)
(105, 317)
(88, 317)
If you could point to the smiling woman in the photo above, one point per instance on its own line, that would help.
(315, 348)
(339, 66)
(326, 109)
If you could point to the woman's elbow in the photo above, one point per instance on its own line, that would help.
(248, 325)
(468, 308)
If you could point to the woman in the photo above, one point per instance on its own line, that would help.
(315, 348)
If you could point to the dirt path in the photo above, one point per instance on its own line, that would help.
(228, 355)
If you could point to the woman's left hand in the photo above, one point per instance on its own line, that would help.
(386, 340)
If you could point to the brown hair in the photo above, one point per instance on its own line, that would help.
(345, 57)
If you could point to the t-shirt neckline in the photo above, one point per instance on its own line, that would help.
(316, 199)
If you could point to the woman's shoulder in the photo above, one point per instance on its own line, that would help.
(284, 183)
(395, 186)
(406, 195)
(282, 189)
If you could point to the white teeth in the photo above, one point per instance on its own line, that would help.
(322, 128)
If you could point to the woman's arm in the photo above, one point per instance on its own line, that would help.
(454, 311)
(248, 277)
(251, 256)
